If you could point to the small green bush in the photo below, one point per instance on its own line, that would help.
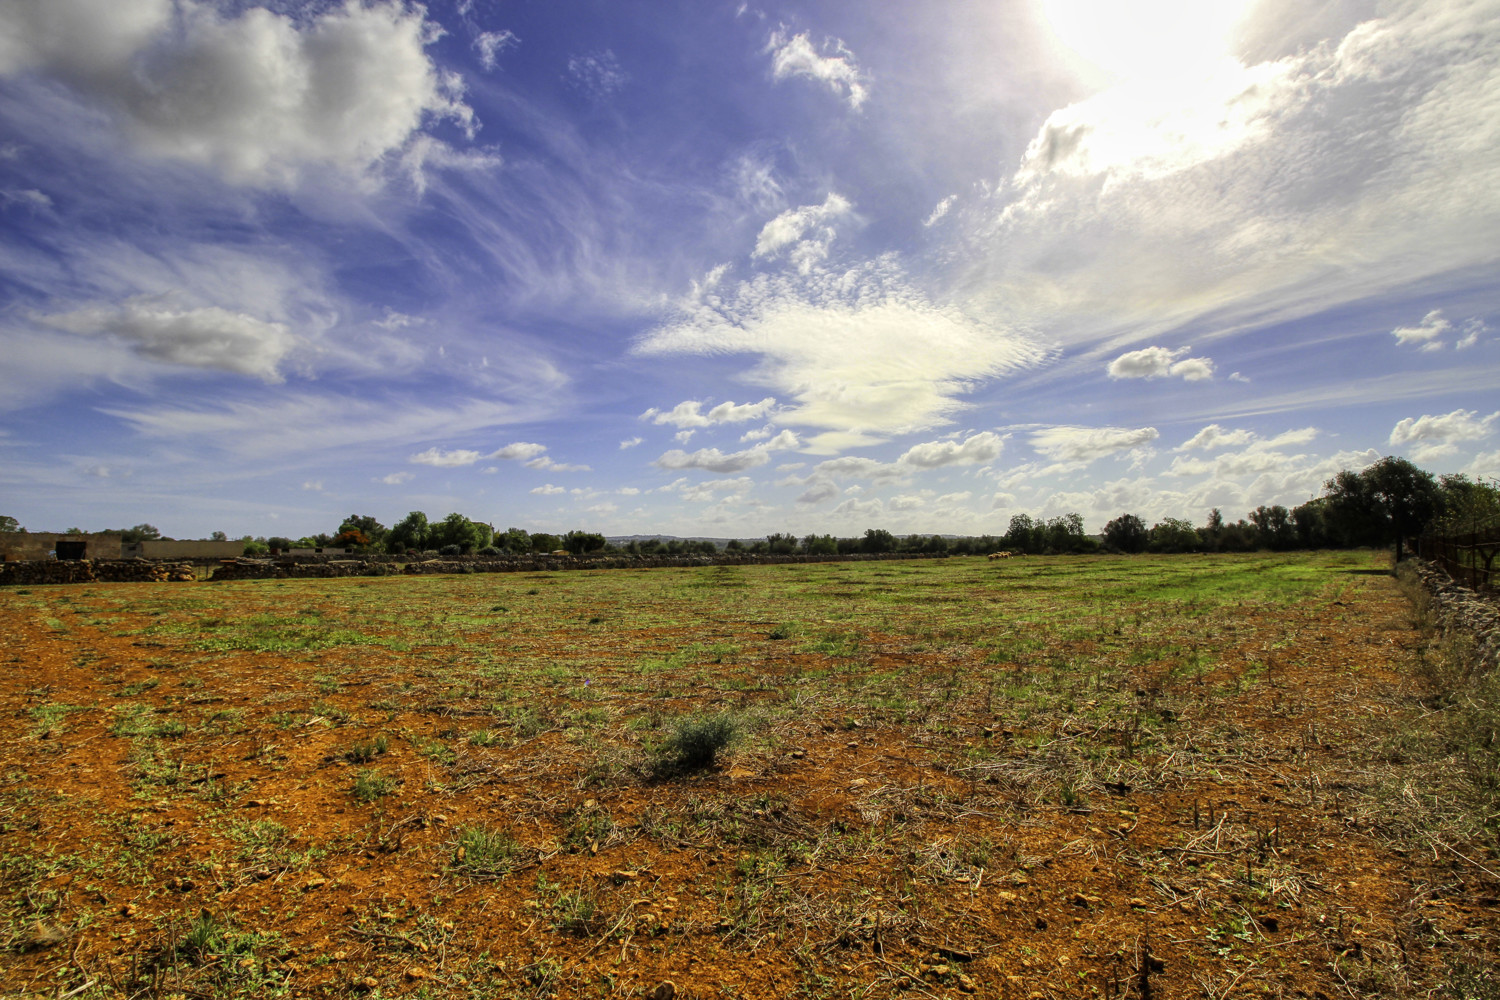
(697, 740)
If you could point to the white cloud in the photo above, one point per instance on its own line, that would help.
(208, 337)
(713, 460)
(795, 55)
(859, 508)
(548, 490)
(1486, 464)
(904, 502)
(1241, 195)
(1431, 333)
(857, 467)
(1085, 444)
(445, 459)
(1473, 329)
(711, 490)
(808, 230)
(1433, 326)
(491, 43)
(31, 198)
(519, 451)
(860, 353)
(313, 486)
(546, 462)
(598, 74)
(1435, 436)
(954, 498)
(258, 96)
(983, 447)
(396, 478)
(689, 413)
(1158, 362)
(819, 492)
(1214, 436)
(631, 442)
(941, 209)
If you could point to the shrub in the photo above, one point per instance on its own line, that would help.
(696, 741)
(489, 550)
(450, 550)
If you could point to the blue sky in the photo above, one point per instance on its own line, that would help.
(734, 268)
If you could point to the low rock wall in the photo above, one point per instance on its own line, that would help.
(302, 567)
(94, 571)
(1460, 609)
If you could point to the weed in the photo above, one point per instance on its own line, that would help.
(370, 784)
(366, 750)
(487, 852)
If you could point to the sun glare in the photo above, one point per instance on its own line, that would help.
(1148, 39)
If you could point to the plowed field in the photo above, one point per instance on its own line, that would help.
(1093, 777)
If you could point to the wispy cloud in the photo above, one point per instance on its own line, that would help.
(1086, 444)
(690, 413)
(795, 56)
(445, 459)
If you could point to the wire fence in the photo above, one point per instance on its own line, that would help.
(1468, 556)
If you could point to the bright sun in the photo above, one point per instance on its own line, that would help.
(1145, 40)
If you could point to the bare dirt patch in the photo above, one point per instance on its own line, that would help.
(1038, 778)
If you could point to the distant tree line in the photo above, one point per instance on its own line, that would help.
(1386, 504)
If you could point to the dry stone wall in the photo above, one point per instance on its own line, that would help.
(302, 566)
(94, 571)
(1460, 609)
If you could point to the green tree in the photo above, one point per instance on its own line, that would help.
(365, 525)
(411, 532)
(9, 524)
(1388, 502)
(781, 544)
(580, 542)
(1173, 534)
(219, 536)
(1468, 504)
(1064, 533)
(1309, 524)
(513, 540)
(1273, 527)
(878, 540)
(1024, 535)
(456, 529)
(820, 545)
(543, 542)
(1126, 533)
(139, 533)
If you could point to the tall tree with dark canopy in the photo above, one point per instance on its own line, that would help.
(1127, 533)
(1388, 502)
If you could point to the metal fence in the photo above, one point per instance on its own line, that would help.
(1468, 556)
